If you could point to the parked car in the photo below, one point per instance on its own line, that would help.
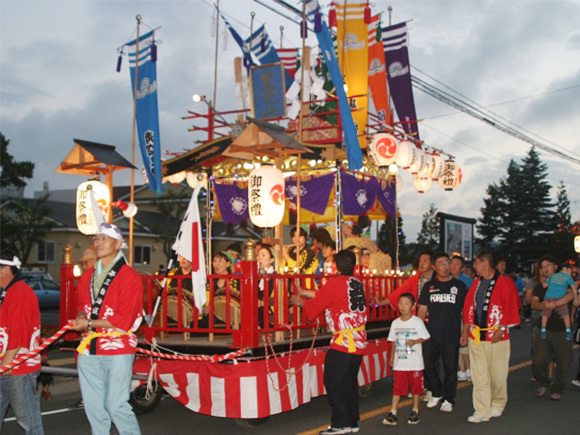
(47, 291)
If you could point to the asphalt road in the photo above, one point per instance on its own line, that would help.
(524, 413)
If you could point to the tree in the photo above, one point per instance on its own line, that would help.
(428, 237)
(389, 238)
(517, 217)
(13, 173)
(24, 223)
(563, 239)
(563, 208)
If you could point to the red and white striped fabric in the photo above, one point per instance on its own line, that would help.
(289, 59)
(245, 390)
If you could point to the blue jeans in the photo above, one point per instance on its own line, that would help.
(20, 393)
(105, 386)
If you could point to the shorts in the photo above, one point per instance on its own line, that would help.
(463, 350)
(408, 380)
(562, 310)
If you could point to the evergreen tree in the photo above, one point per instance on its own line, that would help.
(428, 237)
(563, 208)
(388, 239)
(12, 173)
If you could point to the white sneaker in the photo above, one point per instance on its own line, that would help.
(477, 418)
(428, 396)
(461, 376)
(576, 382)
(468, 374)
(446, 407)
(433, 402)
(496, 412)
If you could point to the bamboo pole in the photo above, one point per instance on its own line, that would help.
(133, 138)
(215, 67)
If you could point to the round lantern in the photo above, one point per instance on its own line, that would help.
(406, 154)
(87, 221)
(419, 162)
(422, 181)
(383, 148)
(266, 196)
(176, 178)
(451, 177)
(438, 166)
(577, 244)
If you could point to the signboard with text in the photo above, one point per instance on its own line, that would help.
(267, 91)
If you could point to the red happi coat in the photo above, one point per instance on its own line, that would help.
(344, 302)
(20, 326)
(122, 307)
(503, 306)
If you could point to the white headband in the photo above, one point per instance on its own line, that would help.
(112, 231)
(15, 262)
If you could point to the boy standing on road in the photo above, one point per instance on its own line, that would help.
(406, 335)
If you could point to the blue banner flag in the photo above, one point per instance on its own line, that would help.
(353, 151)
(147, 110)
(248, 62)
(262, 47)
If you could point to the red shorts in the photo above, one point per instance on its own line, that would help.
(408, 380)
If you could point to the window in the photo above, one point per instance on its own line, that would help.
(46, 252)
(142, 255)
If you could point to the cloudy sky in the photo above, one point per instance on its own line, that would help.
(520, 59)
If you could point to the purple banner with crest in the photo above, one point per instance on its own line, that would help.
(387, 198)
(395, 42)
(233, 203)
(358, 196)
(314, 193)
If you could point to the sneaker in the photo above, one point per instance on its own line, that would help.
(541, 391)
(391, 419)
(555, 396)
(496, 413)
(336, 430)
(433, 402)
(461, 376)
(354, 429)
(543, 332)
(446, 407)
(414, 418)
(428, 396)
(410, 395)
(77, 405)
(477, 418)
(576, 382)
(468, 374)
(568, 334)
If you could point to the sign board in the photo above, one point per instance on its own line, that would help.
(267, 90)
(456, 235)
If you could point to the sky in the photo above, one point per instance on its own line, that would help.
(520, 59)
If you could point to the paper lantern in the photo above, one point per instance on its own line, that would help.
(406, 154)
(383, 149)
(422, 181)
(266, 196)
(452, 176)
(87, 222)
(399, 184)
(438, 166)
(176, 178)
(577, 244)
(419, 162)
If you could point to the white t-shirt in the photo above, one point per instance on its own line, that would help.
(408, 359)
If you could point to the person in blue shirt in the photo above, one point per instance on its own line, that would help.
(558, 284)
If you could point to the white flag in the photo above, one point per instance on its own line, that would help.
(189, 244)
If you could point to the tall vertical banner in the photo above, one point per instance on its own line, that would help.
(352, 37)
(147, 110)
(378, 72)
(261, 45)
(395, 43)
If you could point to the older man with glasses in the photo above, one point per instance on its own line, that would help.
(109, 309)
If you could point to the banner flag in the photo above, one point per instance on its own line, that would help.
(289, 59)
(353, 150)
(248, 62)
(147, 109)
(353, 54)
(358, 196)
(233, 203)
(388, 198)
(262, 47)
(395, 41)
(377, 72)
(189, 244)
(314, 193)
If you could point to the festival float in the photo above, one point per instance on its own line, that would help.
(302, 147)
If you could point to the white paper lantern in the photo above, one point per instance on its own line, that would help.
(438, 166)
(87, 222)
(383, 149)
(422, 181)
(452, 176)
(577, 244)
(405, 154)
(419, 162)
(176, 178)
(266, 196)
(399, 184)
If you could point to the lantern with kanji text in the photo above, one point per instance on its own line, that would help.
(451, 177)
(266, 196)
(87, 221)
